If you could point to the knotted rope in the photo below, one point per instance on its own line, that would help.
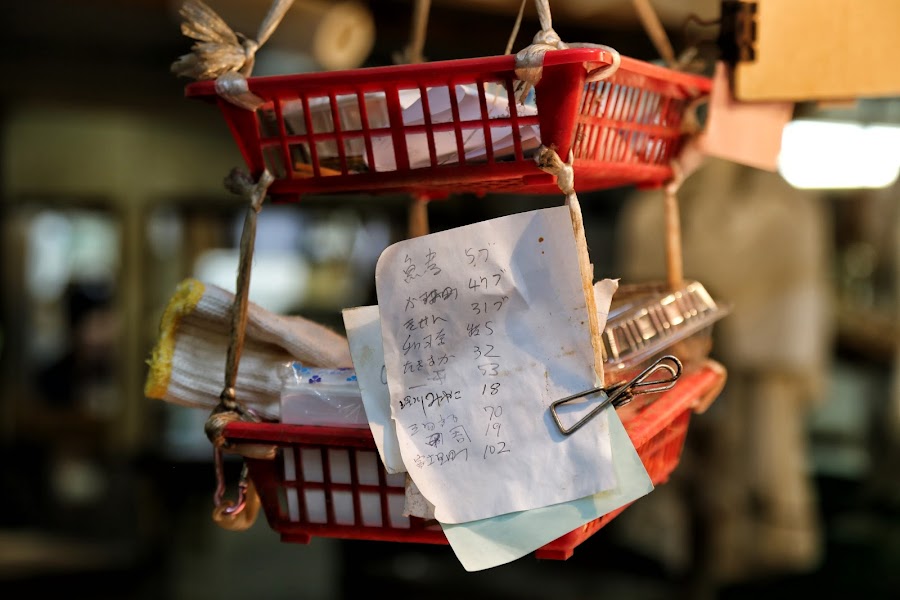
(412, 54)
(530, 60)
(221, 54)
(689, 157)
(549, 161)
(229, 409)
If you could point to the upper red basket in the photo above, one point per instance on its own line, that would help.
(455, 126)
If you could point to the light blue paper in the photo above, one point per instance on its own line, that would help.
(499, 540)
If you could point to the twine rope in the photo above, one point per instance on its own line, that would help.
(530, 60)
(515, 31)
(656, 32)
(227, 514)
(229, 409)
(550, 162)
(221, 54)
(412, 54)
(672, 220)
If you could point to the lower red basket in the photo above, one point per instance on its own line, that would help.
(329, 482)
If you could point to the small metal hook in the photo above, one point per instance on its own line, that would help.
(243, 484)
(623, 393)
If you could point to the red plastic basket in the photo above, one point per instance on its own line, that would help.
(330, 132)
(329, 482)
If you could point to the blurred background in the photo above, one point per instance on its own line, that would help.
(111, 194)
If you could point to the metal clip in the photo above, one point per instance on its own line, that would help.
(623, 393)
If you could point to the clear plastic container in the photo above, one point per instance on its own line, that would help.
(647, 321)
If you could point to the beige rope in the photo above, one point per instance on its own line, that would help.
(690, 158)
(690, 127)
(530, 60)
(418, 217)
(240, 515)
(219, 52)
(516, 26)
(412, 54)
(228, 409)
(674, 258)
(549, 161)
(656, 32)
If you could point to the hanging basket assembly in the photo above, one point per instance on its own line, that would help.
(433, 129)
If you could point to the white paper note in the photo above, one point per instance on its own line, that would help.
(445, 143)
(493, 542)
(363, 327)
(483, 327)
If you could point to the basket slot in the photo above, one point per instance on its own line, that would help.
(486, 122)
(365, 126)
(313, 150)
(514, 120)
(457, 129)
(395, 115)
(619, 123)
(429, 128)
(662, 453)
(285, 162)
(585, 135)
(634, 107)
(340, 488)
(619, 148)
(341, 141)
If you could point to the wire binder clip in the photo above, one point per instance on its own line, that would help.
(623, 393)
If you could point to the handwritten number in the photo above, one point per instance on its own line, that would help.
(481, 255)
(496, 411)
(494, 389)
(489, 369)
(500, 448)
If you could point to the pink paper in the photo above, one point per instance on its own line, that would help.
(748, 133)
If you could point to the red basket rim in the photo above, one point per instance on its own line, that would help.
(273, 85)
(641, 426)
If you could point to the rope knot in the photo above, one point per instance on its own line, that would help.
(228, 398)
(240, 183)
(221, 54)
(250, 47)
(550, 162)
(549, 37)
(530, 60)
(218, 419)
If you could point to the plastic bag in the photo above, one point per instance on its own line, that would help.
(328, 397)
